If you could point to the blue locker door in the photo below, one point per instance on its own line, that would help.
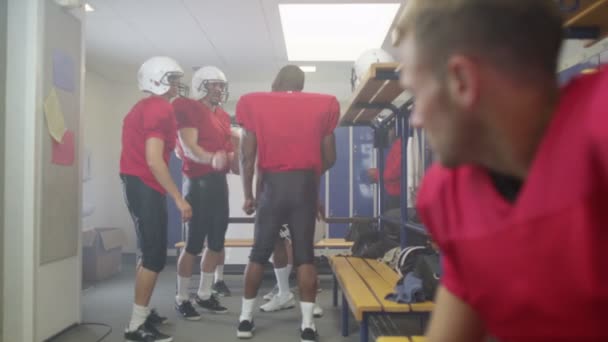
(175, 221)
(363, 159)
(322, 192)
(339, 186)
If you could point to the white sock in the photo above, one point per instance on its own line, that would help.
(138, 317)
(204, 287)
(282, 275)
(307, 315)
(182, 289)
(219, 273)
(247, 310)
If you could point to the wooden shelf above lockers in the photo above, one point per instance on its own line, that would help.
(590, 13)
(374, 88)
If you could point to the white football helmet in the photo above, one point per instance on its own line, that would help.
(153, 75)
(205, 75)
(362, 64)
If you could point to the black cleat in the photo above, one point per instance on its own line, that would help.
(187, 311)
(212, 304)
(145, 334)
(221, 289)
(245, 329)
(309, 335)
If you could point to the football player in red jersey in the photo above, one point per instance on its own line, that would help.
(292, 134)
(517, 202)
(148, 138)
(206, 150)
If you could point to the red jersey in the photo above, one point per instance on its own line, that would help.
(289, 127)
(536, 269)
(213, 132)
(151, 117)
(392, 170)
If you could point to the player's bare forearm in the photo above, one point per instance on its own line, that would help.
(247, 155)
(453, 320)
(189, 140)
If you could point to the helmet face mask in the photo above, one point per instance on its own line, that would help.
(205, 82)
(208, 86)
(173, 79)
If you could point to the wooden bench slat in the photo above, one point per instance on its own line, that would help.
(392, 277)
(325, 243)
(418, 339)
(238, 243)
(358, 295)
(227, 243)
(427, 306)
(387, 273)
(377, 285)
(334, 243)
(393, 339)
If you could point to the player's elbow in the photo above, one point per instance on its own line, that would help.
(329, 161)
(154, 163)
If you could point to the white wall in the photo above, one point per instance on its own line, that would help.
(106, 104)
(20, 255)
(3, 19)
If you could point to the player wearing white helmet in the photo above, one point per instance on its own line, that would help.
(206, 149)
(148, 137)
(365, 60)
(219, 286)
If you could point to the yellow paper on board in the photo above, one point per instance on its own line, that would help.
(54, 116)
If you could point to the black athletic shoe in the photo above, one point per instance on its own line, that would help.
(245, 329)
(156, 319)
(157, 334)
(308, 335)
(212, 304)
(221, 289)
(145, 334)
(187, 311)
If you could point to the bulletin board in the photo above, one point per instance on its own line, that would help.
(59, 202)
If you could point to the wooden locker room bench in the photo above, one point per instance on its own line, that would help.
(364, 284)
(325, 243)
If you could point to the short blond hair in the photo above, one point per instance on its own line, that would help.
(521, 35)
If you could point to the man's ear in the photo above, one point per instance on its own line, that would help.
(463, 81)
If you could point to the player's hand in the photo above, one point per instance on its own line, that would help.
(184, 209)
(249, 206)
(219, 160)
(372, 174)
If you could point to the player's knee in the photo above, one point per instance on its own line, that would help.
(215, 245)
(300, 259)
(155, 262)
(260, 254)
(194, 247)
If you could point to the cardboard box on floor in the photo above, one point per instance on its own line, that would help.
(101, 252)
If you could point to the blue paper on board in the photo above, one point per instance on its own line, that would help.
(63, 71)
